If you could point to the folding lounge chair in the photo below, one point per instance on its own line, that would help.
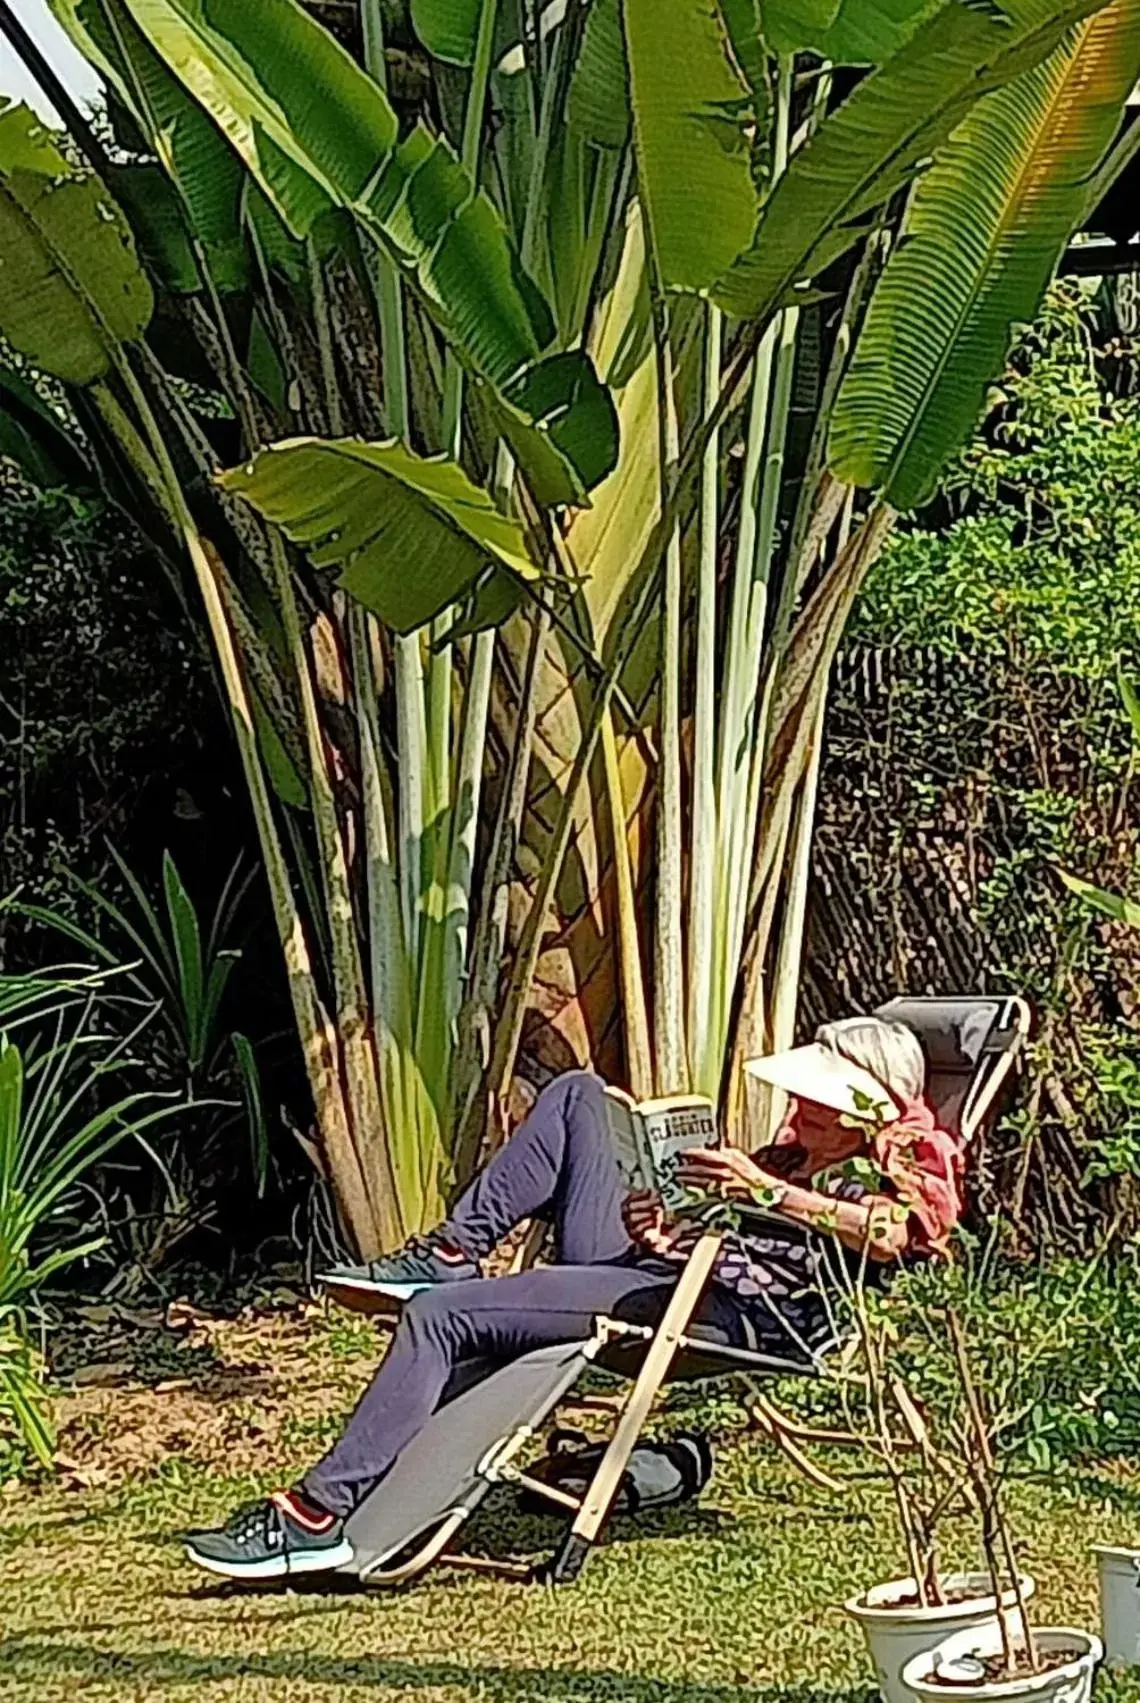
(472, 1443)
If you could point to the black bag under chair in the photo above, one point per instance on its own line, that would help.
(659, 1475)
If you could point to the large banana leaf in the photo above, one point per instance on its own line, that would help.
(71, 287)
(306, 120)
(848, 32)
(312, 126)
(691, 108)
(151, 203)
(598, 103)
(208, 173)
(983, 236)
(411, 536)
(873, 144)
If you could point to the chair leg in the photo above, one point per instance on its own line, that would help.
(771, 1417)
(575, 1548)
(768, 1418)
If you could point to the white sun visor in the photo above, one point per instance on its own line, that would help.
(816, 1073)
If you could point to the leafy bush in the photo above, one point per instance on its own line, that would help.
(1063, 1338)
(110, 732)
(105, 699)
(988, 751)
(178, 966)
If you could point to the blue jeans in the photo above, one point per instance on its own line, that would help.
(557, 1165)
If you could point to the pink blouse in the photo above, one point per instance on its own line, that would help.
(919, 1163)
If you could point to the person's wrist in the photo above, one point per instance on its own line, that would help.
(803, 1202)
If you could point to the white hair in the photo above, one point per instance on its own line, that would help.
(890, 1051)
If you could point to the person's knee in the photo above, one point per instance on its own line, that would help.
(573, 1088)
(430, 1312)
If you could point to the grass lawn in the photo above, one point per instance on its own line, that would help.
(736, 1598)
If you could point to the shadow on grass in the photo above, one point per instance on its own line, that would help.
(500, 1528)
(30, 1661)
(515, 1538)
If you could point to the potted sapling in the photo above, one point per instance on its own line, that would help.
(911, 1613)
(903, 1617)
(1010, 1660)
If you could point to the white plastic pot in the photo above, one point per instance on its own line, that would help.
(896, 1629)
(1119, 1571)
(1071, 1682)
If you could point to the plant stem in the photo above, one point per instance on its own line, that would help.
(490, 937)
(318, 1040)
(334, 413)
(877, 1384)
(639, 1058)
(993, 1514)
(703, 825)
(670, 1052)
(785, 995)
(642, 585)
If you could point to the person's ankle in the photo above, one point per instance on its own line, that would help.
(449, 1250)
(304, 1510)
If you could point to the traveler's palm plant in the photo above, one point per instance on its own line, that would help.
(551, 476)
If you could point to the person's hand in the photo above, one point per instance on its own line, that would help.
(725, 1171)
(644, 1218)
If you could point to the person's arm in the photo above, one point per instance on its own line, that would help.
(877, 1223)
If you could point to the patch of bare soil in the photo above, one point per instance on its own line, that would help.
(228, 1393)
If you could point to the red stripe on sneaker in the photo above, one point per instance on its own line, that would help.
(309, 1519)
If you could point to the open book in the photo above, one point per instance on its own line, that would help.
(648, 1136)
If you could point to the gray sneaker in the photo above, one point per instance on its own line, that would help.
(422, 1263)
(267, 1540)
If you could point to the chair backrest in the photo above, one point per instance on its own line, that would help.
(971, 1043)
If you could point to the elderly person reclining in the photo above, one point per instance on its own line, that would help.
(615, 1254)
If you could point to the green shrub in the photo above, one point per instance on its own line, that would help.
(105, 698)
(992, 752)
(59, 1113)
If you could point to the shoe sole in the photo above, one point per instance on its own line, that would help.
(356, 1297)
(398, 1291)
(277, 1566)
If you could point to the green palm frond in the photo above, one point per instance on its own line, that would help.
(983, 236)
(71, 287)
(376, 508)
(691, 116)
(885, 132)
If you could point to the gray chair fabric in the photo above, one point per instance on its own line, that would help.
(450, 1466)
(965, 1039)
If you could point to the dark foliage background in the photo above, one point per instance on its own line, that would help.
(111, 734)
